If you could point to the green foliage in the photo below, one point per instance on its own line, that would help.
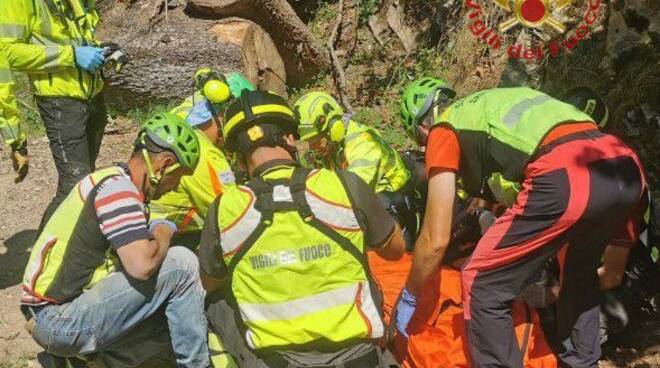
(319, 83)
(323, 20)
(367, 9)
(22, 362)
(31, 122)
(428, 62)
(139, 115)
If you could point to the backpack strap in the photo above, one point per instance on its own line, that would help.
(298, 187)
(263, 192)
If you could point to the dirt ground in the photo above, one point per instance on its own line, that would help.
(22, 205)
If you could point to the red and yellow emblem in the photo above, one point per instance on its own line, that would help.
(532, 13)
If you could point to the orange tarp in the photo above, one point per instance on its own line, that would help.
(437, 330)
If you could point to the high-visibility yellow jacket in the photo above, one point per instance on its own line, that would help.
(39, 36)
(364, 152)
(10, 128)
(294, 250)
(188, 205)
(183, 109)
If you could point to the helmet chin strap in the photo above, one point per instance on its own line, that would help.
(154, 179)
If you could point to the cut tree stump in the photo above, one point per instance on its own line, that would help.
(165, 53)
(261, 61)
(302, 54)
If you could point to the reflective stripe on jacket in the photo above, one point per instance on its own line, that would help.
(39, 36)
(295, 255)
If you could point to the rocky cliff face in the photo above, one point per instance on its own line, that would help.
(632, 68)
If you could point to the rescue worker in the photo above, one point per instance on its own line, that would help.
(572, 178)
(344, 143)
(437, 331)
(627, 274)
(10, 128)
(188, 204)
(288, 251)
(54, 42)
(99, 273)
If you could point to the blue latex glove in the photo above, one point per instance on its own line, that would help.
(404, 311)
(89, 58)
(168, 223)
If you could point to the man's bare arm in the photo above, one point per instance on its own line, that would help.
(142, 258)
(434, 237)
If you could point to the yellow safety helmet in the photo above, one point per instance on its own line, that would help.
(256, 108)
(319, 113)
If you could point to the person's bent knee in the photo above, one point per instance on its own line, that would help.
(183, 259)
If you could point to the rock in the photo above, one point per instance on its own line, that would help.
(262, 63)
(633, 24)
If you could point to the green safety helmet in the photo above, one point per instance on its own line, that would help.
(318, 113)
(418, 98)
(170, 132)
(256, 108)
(587, 101)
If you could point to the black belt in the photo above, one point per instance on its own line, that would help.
(368, 360)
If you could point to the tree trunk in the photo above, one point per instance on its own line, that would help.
(163, 54)
(302, 54)
(391, 17)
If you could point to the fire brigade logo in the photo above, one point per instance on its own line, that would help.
(551, 37)
(532, 13)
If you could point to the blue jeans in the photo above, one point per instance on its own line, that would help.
(118, 317)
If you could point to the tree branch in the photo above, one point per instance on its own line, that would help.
(337, 68)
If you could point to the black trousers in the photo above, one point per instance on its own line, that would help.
(75, 131)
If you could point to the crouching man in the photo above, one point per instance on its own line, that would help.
(289, 248)
(99, 272)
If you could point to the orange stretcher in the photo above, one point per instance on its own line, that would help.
(437, 330)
